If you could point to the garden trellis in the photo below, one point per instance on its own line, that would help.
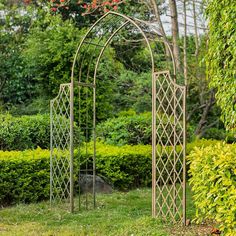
(168, 117)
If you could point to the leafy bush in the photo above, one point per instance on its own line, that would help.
(213, 180)
(126, 167)
(133, 129)
(127, 129)
(129, 166)
(26, 132)
(219, 134)
(220, 60)
(24, 176)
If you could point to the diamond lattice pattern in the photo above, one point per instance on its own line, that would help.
(170, 147)
(60, 145)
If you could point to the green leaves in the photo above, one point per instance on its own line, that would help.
(221, 57)
(48, 52)
(24, 176)
(26, 132)
(128, 129)
(213, 180)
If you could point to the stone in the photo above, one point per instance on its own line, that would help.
(101, 185)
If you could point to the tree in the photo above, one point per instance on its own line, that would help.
(15, 87)
(175, 32)
(221, 57)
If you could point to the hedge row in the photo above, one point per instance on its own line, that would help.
(30, 132)
(213, 180)
(24, 176)
(27, 132)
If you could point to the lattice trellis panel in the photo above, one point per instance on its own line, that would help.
(61, 161)
(170, 132)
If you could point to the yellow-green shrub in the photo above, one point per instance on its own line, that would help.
(213, 179)
(24, 176)
(126, 166)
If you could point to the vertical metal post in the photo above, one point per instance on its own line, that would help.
(72, 146)
(51, 152)
(79, 123)
(184, 155)
(94, 143)
(174, 147)
(153, 145)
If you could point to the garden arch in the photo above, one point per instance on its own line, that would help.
(168, 118)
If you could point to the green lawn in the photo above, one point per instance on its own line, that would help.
(116, 214)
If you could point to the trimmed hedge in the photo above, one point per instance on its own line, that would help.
(24, 176)
(126, 167)
(213, 180)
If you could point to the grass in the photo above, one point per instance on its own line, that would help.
(116, 214)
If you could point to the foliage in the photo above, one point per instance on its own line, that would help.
(221, 57)
(15, 86)
(200, 143)
(26, 132)
(132, 128)
(24, 176)
(219, 134)
(133, 91)
(48, 52)
(213, 180)
(31, 107)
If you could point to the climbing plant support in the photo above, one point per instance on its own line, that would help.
(79, 99)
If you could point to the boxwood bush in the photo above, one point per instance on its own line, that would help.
(213, 180)
(24, 175)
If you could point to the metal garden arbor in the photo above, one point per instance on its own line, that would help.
(168, 118)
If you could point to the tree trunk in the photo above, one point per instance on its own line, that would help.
(185, 45)
(203, 121)
(156, 12)
(175, 32)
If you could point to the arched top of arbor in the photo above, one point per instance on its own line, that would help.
(116, 27)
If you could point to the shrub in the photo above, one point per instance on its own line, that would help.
(24, 176)
(127, 129)
(219, 134)
(213, 180)
(131, 128)
(26, 132)
(126, 167)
